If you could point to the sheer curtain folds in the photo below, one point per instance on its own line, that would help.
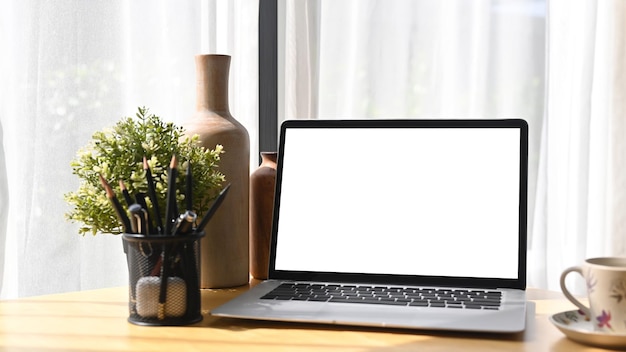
(71, 68)
(555, 63)
(583, 163)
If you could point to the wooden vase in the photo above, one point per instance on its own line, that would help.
(224, 250)
(262, 183)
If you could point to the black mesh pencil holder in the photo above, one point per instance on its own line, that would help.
(163, 273)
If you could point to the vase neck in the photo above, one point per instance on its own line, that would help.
(269, 159)
(212, 83)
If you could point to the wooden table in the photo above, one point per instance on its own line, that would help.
(96, 320)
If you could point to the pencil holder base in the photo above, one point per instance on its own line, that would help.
(163, 274)
(168, 322)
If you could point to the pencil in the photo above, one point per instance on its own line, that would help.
(126, 194)
(216, 204)
(152, 195)
(171, 208)
(117, 207)
(189, 187)
(165, 263)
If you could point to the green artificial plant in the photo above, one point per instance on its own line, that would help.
(117, 154)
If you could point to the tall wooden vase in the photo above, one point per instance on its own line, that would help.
(224, 253)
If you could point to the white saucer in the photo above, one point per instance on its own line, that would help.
(576, 326)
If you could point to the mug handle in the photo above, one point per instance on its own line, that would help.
(566, 292)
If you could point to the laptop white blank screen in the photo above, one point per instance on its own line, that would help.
(406, 201)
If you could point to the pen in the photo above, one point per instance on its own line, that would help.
(152, 195)
(171, 207)
(184, 223)
(138, 220)
(213, 209)
(140, 198)
(119, 211)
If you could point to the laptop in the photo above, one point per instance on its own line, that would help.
(417, 224)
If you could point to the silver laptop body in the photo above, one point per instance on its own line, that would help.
(372, 218)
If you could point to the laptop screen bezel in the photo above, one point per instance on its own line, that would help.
(408, 280)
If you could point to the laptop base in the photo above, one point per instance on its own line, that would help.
(510, 319)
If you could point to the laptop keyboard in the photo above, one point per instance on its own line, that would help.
(396, 296)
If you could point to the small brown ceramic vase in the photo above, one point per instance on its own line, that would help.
(262, 183)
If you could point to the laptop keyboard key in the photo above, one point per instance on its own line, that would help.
(339, 299)
(318, 299)
(484, 302)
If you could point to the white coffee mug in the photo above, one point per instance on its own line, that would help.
(606, 290)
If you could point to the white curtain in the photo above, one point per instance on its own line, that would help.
(558, 64)
(72, 67)
(582, 179)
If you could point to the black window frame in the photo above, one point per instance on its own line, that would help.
(268, 75)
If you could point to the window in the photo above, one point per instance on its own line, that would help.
(71, 68)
